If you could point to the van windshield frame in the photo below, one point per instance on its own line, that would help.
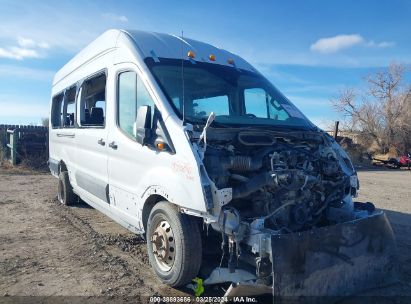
(239, 98)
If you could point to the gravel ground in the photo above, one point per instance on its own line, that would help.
(47, 249)
(390, 190)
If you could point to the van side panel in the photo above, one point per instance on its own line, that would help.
(78, 147)
(118, 181)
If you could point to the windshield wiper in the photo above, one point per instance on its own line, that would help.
(281, 128)
(202, 121)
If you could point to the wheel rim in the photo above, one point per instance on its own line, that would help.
(60, 193)
(163, 245)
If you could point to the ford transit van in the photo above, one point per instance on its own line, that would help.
(190, 146)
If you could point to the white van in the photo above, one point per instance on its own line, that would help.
(191, 146)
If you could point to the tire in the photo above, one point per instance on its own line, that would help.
(180, 262)
(65, 192)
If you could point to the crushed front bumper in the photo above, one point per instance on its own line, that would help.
(337, 260)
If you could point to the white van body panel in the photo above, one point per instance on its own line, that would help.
(118, 182)
(101, 46)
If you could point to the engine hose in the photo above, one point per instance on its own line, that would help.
(242, 163)
(253, 185)
(278, 209)
(239, 177)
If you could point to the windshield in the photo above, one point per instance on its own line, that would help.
(237, 97)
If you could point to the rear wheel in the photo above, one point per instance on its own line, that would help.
(65, 192)
(174, 245)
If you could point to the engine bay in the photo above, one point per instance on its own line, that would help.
(293, 181)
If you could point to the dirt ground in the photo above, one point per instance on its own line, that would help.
(47, 249)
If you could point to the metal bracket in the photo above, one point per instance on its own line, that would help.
(223, 196)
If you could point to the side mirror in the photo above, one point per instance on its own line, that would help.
(142, 125)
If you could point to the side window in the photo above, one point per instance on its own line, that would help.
(57, 111)
(260, 104)
(256, 102)
(69, 108)
(93, 102)
(277, 111)
(127, 96)
(132, 93)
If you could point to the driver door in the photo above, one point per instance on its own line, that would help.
(128, 161)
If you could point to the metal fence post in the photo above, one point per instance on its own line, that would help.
(336, 129)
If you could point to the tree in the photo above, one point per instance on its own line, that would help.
(45, 122)
(382, 111)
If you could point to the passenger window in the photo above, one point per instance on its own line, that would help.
(256, 102)
(69, 108)
(93, 102)
(57, 111)
(217, 104)
(260, 104)
(132, 93)
(127, 106)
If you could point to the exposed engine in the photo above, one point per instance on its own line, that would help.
(289, 179)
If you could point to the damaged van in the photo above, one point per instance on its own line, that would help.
(189, 145)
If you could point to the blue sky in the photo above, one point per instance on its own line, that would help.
(309, 49)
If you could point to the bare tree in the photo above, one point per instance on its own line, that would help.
(382, 112)
(45, 122)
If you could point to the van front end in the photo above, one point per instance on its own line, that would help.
(278, 190)
(283, 205)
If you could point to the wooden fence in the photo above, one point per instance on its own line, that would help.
(20, 143)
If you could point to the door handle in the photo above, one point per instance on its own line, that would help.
(113, 145)
(71, 135)
(101, 142)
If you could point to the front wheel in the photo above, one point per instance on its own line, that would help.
(174, 245)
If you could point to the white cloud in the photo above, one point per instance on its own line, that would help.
(336, 43)
(26, 48)
(382, 44)
(25, 42)
(24, 53)
(68, 31)
(114, 17)
(18, 53)
(340, 42)
(30, 43)
(43, 45)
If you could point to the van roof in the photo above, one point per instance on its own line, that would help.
(171, 46)
(151, 44)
